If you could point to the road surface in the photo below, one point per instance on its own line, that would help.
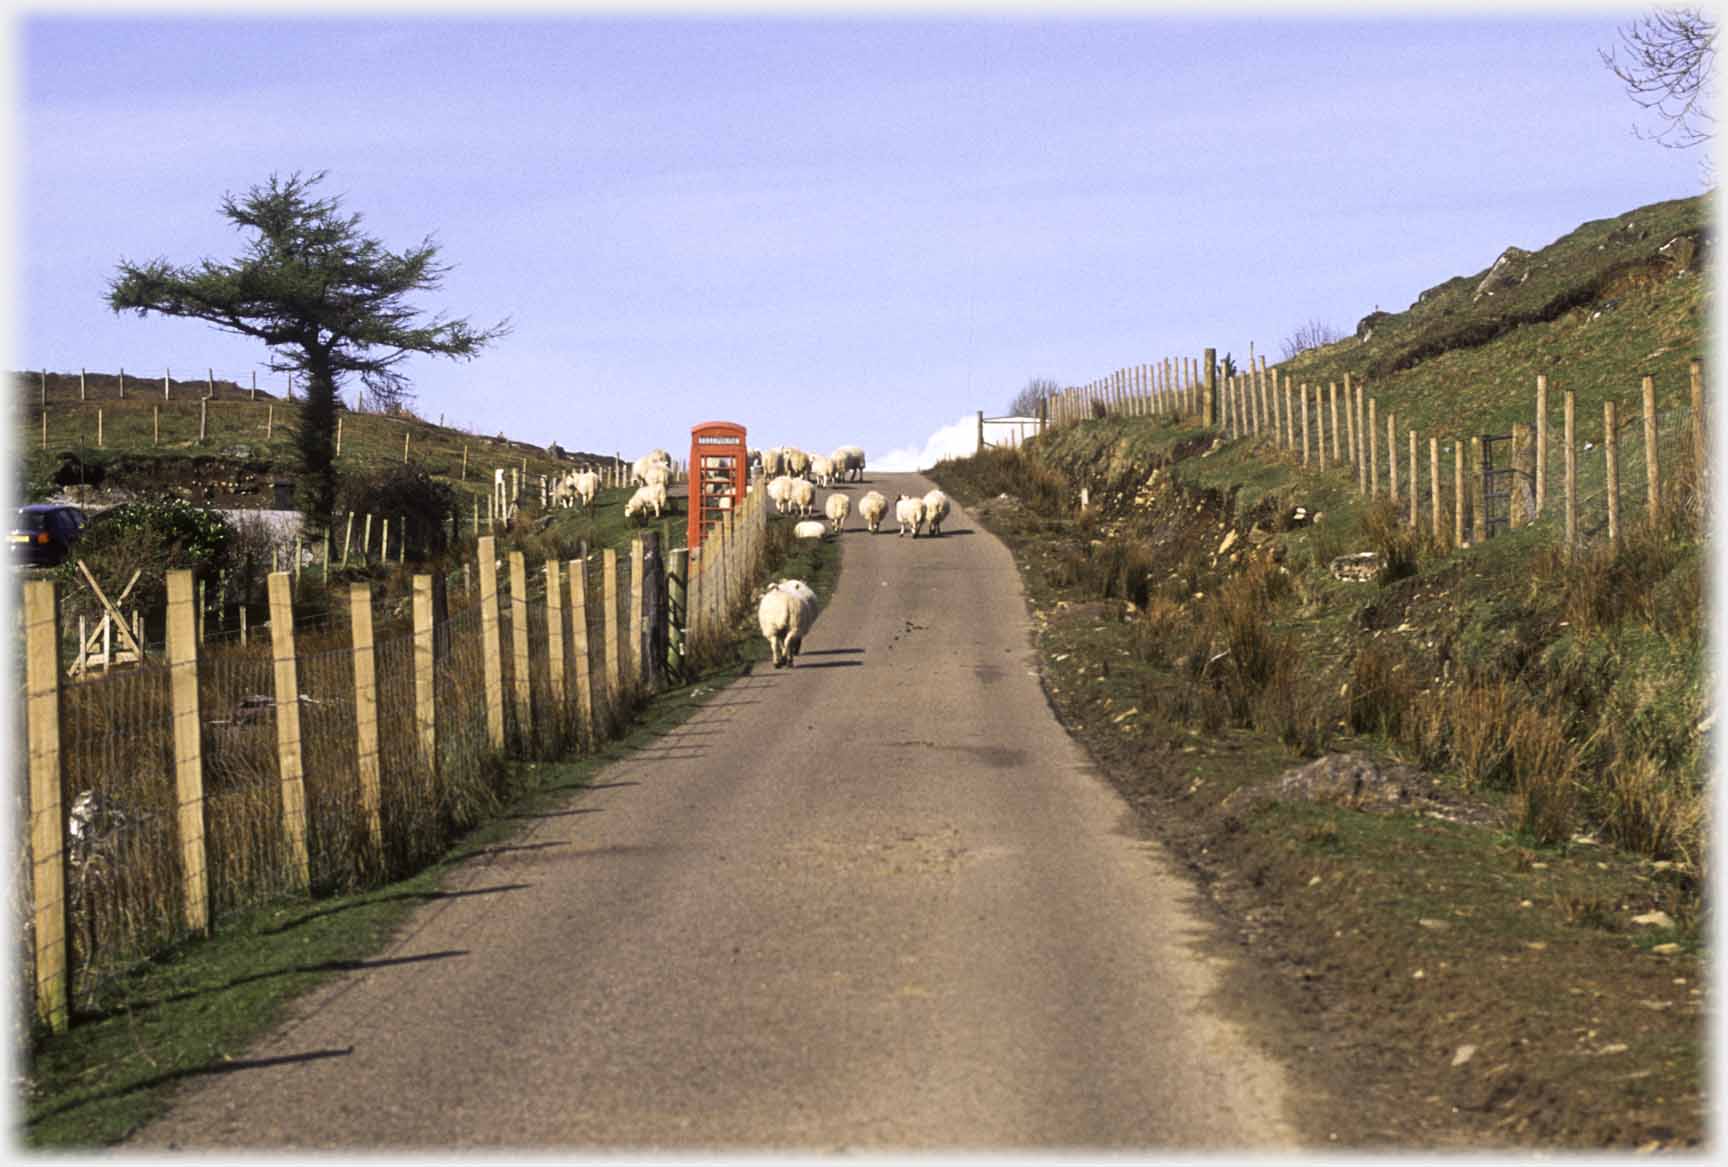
(878, 901)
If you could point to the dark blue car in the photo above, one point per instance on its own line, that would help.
(44, 534)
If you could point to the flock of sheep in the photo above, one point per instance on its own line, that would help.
(787, 609)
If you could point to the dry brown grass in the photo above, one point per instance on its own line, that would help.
(1545, 775)
(1481, 718)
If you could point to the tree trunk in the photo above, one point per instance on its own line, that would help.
(317, 442)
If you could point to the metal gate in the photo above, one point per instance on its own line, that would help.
(1497, 482)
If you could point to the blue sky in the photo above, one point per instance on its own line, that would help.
(836, 229)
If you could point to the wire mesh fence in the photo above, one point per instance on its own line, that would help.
(403, 708)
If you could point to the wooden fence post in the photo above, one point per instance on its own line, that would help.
(1458, 492)
(1302, 392)
(577, 572)
(1434, 503)
(1571, 464)
(1611, 467)
(338, 435)
(203, 418)
(47, 814)
(1541, 443)
(188, 747)
(1415, 494)
(677, 575)
(155, 425)
(638, 614)
(1478, 494)
(614, 670)
(425, 675)
(1700, 445)
(1521, 498)
(1373, 435)
(1391, 453)
(1337, 447)
(555, 641)
(491, 649)
(366, 713)
(290, 766)
(521, 674)
(1209, 394)
(1652, 470)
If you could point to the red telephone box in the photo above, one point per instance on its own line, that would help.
(719, 469)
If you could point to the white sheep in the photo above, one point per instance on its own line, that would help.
(797, 462)
(809, 529)
(780, 493)
(587, 484)
(871, 508)
(935, 510)
(909, 513)
(785, 613)
(837, 508)
(849, 463)
(803, 496)
(651, 496)
(821, 470)
(641, 472)
(773, 462)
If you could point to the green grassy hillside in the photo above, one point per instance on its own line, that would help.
(1535, 846)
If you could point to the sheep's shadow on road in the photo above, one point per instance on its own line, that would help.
(832, 652)
(555, 814)
(831, 664)
(218, 1067)
(321, 966)
(405, 895)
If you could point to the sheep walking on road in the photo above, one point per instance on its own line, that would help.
(780, 492)
(935, 510)
(871, 508)
(837, 508)
(803, 496)
(785, 613)
(848, 463)
(909, 513)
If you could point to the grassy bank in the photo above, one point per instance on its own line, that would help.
(1495, 937)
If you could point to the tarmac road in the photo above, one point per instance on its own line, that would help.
(878, 901)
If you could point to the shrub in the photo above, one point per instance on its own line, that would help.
(399, 492)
